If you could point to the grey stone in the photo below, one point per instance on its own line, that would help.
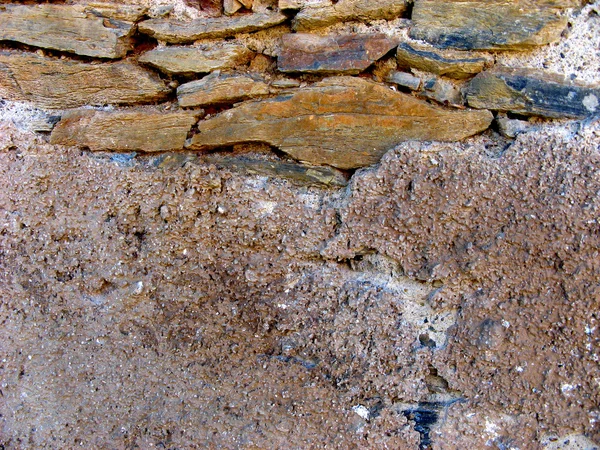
(404, 79)
(532, 92)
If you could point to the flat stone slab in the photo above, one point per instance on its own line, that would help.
(343, 122)
(68, 28)
(412, 56)
(202, 59)
(532, 92)
(348, 54)
(321, 15)
(136, 130)
(489, 24)
(61, 83)
(220, 89)
(176, 32)
(301, 173)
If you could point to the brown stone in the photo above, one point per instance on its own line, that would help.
(489, 24)
(129, 13)
(320, 15)
(344, 122)
(413, 56)
(216, 88)
(67, 28)
(201, 59)
(135, 130)
(350, 53)
(60, 83)
(231, 6)
(532, 92)
(176, 32)
(301, 173)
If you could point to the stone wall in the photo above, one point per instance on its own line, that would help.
(300, 224)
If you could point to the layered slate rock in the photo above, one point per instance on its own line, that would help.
(66, 28)
(137, 130)
(129, 13)
(320, 15)
(489, 24)
(413, 56)
(60, 83)
(301, 173)
(218, 89)
(344, 122)
(177, 32)
(532, 92)
(349, 53)
(201, 59)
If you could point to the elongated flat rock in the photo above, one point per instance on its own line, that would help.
(489, 24)
(220, 89)
(531, 92)
(343, 122)
(321, 15)
(137, 130)
(68, 28)
(348, 54)
(202, 59)
(411, 56)
(301, 173)
(59, 84)
(176, 32)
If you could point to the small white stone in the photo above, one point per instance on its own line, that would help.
(590, 102)
(362, 411)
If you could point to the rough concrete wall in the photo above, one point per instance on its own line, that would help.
(446, 298)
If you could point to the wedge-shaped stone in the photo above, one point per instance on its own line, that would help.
(412, 56)
(350, 53)
(321, 15)
(489, 24)
(185, 32)
(68, 28)
(201, 59)
(343, 122)
(219, 89)
(300, 173)
(532, 92)
(129, 13)
(137, 130)
(59, 83)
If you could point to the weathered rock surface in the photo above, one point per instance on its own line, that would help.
(412, 56)
(201, 59)
(129, 13)
(217, 88)
(532, 92)
(404, 79)
(489, 24)
(136, 130)
(59, 83)
(66, 28)
(302, 173)
(320, 15)
(442, 91)
(344, 122)
(350, 54)
(185, 32)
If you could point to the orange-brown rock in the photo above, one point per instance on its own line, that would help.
(348, 53)
(68, 28)
(177, 32)
(323, 14)
(217, 88)
(135, 130)
(455, 65)
(344, 122)
(489, 24)
(60, 83)
(201, 59)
